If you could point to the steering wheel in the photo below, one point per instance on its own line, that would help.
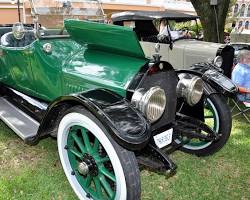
(185, 32)
(185, 28)
(163, 38)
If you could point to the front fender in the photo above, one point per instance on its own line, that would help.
(208, 88)
(124, 123)
(214, 80)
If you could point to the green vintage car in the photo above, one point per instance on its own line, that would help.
(89, 85)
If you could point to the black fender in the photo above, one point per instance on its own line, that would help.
(124, 123)
(227, 52)
(213, 78)
(208, 88)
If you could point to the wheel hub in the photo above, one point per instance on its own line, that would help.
(88, 166)
(83, 168)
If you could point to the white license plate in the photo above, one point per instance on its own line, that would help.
(163, 139)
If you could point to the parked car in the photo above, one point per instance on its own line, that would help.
(188, 54)
(108, 106)
(181, 51)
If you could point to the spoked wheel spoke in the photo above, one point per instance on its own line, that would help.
(75, 152)
(98, 187)
(100, 160)
(106, 173)
(106, 186)
(209, 117)
(96, 146)
(88, 181)
(79, 142)
(86, 140)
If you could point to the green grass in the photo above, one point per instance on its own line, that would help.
(34, 173)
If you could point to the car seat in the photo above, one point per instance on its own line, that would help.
(9, 40)
(241, 108)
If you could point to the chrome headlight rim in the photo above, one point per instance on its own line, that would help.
(190, 89)
(195, 94)
(151, 103)
(218, 61)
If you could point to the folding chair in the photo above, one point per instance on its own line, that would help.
(243, 108)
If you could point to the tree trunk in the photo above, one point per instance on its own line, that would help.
(208, 20)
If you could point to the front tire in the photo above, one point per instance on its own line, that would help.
(218, 116)
(95, 165)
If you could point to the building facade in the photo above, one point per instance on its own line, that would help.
(9, 14)
(241, 12)
(179, 5)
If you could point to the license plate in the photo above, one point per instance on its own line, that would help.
(163, 139)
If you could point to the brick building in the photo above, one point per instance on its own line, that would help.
(241, 12)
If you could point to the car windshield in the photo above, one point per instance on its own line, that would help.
(52, 13)
(179, 29)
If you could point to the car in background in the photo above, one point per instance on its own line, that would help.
(182, 51)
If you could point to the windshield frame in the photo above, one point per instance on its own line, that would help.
(35, 15)
(168, 26)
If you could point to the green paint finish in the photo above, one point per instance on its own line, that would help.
(104, 37)
(71, 67)
(78, 144)
(16, 69)
(90, 69)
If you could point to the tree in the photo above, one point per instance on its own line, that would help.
(231, 16)
(208, 19)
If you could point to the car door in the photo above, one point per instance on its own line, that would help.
(17, 68)
(47, 68)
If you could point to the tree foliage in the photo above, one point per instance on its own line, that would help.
(208, 19)
(231, 16)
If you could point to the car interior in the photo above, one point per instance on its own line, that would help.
(145, 31)
(8, 40)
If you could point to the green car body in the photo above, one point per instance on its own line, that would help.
(91, 87)
(75, 64)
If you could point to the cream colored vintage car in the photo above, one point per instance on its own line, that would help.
(181, 52)
(185, 52)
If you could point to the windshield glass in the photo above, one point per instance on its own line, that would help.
(52, 13)
(179, 30)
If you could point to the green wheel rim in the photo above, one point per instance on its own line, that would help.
(211, 119)
(82, 147)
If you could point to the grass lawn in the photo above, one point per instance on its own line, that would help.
(34, 173)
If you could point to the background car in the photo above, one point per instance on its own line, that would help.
(181, 52)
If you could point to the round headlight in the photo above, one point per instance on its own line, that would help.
(191, 89)
(218, 61)
(151, 103)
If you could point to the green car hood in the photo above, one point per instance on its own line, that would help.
(104, 37)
